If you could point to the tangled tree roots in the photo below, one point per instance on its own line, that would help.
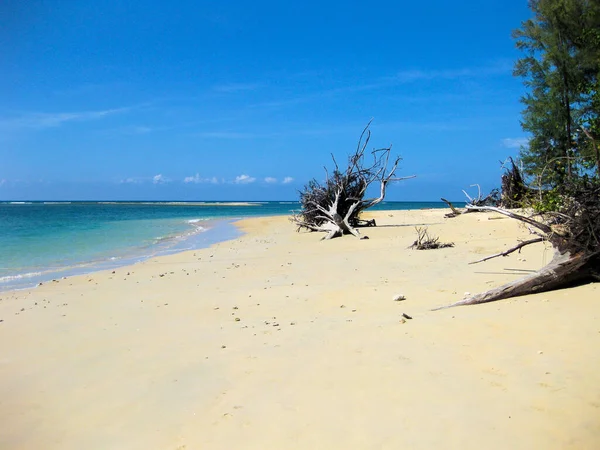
(514, 190)
(334, 207)
(573, 231)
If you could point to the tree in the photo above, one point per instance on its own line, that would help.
(560, 67)
(586, 40)
(334, 207)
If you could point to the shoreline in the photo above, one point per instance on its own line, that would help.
(135, 254)
(218, 230)
(154, 356)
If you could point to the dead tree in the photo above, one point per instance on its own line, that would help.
(334, 206)
(573, 231)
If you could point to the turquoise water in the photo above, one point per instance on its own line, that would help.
(40, 241)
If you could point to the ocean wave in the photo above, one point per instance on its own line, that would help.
(19, 203)
(181, 237)
(22, 276)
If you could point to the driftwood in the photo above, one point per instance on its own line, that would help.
(510, 250)
(334, 207)
(455, 212)
(426, 242)
(492, 199)
(573, 231)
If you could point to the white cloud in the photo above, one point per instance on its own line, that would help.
(195, 179)
(244, 179)
(287, 180)
(270, 180)
(515, 143)
(160, 179)
(198, 179)
(2, 182)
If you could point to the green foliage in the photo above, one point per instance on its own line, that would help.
(550, 201)
(560, 67)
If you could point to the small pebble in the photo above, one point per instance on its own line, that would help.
(399, 298)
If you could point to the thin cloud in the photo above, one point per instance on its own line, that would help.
(52, 120)
(233, 135)
(140, 129)
(500, 67)
(270, 180)
(88, 88)
(287, 180)
(160, 179)
(237, 87)
(408, 76)
(244, 179)
(2, 182)
(515, 142)
(132, 180)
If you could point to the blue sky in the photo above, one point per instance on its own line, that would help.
(237, 100)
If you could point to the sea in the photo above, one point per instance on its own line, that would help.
(42, 241)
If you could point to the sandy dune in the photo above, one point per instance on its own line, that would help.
(153, 356)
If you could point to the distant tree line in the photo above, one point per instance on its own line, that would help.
(560, 68)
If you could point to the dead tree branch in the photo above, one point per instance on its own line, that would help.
(510, 250)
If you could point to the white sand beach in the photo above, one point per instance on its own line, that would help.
(277, 340)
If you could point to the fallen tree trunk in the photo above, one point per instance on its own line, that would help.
(562, 271)
(573, 231)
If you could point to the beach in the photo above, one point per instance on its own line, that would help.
(276, 339)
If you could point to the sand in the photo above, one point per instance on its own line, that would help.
(276, 340)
